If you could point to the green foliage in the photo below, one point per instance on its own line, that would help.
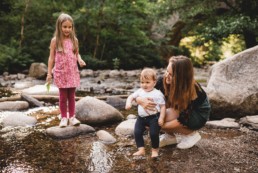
(116, 63)
(107, 29)
(93, 63)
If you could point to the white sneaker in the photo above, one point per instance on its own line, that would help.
(63, 122)
(74, 121)
(166, 139)
(189, 141)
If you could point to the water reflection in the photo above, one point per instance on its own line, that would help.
(100, 159)
(17, 167)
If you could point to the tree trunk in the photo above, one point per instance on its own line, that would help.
(249, 38)
(22, 22)
(99, 28)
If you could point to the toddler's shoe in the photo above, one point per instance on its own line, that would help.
(189, 141)
(63, 122)
(74, 121)
(166, 139)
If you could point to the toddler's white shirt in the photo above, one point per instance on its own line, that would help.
(157, 97)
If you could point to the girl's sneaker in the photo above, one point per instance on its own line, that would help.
(189, 141)
(74, 121)
(63, 122)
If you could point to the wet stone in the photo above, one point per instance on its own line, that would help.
(69, 131)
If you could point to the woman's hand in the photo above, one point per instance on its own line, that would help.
(146, 103)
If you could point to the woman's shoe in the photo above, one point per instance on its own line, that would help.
(167, 139)
(188, 141)
(63, 122)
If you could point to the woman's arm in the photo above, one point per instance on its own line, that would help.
(146, 103)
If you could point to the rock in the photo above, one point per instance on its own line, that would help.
(116, 101)
(105, 137)
(126, 128)
(251, 121)
(94, 111)
(69, 131)
(13, 105)
(41, 90)
(232, 86)
(38, 70)
(224, 123)
(18, 119)
(131, 116)
(87, 73)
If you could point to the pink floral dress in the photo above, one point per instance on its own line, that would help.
(66, 72)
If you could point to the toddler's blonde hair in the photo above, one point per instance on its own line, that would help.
(148, 73)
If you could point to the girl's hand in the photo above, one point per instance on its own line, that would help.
(49, 78)
(81, 63)
(161, 121)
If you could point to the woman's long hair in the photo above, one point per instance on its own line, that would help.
(181, 91)
(59, 34)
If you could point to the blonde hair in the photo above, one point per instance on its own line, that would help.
(181, 91)
(59, 34)
(148, 73)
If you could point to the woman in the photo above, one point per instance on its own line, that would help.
(188, 107)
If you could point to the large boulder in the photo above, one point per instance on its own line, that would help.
(90, 110)
(233, 86)
(38, 70)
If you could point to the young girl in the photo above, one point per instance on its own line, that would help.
(152, 118)
(188, 105)
(64, 54)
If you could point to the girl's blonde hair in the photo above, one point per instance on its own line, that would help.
(59, 34)
(148, 73)
(181, 91)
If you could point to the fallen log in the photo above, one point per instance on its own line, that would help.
(53, 97)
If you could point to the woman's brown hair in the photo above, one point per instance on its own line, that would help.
(181, 91)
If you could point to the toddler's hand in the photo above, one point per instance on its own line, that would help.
(128, 106)
(161, 122)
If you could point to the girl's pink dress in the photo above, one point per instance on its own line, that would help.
(66, 72)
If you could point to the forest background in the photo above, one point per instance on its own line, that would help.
(127, 34)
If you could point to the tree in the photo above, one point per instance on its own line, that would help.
(218, 19)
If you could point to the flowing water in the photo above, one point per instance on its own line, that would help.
(30, 149)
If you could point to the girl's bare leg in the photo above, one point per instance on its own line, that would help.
(140, 152)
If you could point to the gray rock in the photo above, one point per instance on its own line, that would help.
(125, 128)
(251, 121)
(224, 123)
(41, 90)
(105, 137)
(94, 111)
(13, 105)
(18, 119)
(69, 131)
(38, 70)
(232, 86)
